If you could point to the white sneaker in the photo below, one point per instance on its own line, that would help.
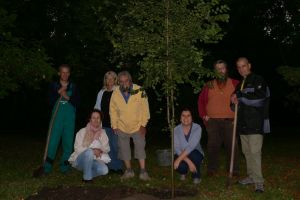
(246, 181)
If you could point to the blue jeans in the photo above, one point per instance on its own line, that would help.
(196, 157)
(115, 163)
(91, 168)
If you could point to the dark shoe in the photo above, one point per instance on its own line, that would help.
(118, 171)
(39, 172)
(236, 174)
(211, 173)
(259, 187)
(87, 181)
(66, 172)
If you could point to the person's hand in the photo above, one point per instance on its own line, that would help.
(143, 131)
(233, 99)
(97, 152)
(62, 89)
(206, 118)
(63, 92)
(192, 167)
(116, 131)
(176, 163)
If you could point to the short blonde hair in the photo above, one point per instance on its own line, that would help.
(109, 73)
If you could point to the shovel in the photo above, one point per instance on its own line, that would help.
(40, 170)
(229, 179)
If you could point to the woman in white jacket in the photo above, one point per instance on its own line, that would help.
(91, 149)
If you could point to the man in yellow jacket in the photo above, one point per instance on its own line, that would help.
(129, 113)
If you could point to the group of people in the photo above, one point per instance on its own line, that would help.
(122, 112)
(215, 107)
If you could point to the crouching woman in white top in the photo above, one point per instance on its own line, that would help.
(91, 149)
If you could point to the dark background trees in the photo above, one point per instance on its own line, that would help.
(36, 36)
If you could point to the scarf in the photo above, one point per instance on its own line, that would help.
(92, 133)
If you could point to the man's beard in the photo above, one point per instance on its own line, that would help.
(222, 79)
(124, 88)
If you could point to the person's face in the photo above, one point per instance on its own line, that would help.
(221, 69)
(95, 119)
(64, 74)
(244, 67)
(124, 82)
(110, 81)
(186, 118)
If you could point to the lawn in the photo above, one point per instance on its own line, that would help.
(20, 154)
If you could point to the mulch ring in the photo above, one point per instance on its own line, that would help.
(101, 193)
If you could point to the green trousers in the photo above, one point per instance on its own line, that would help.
(62, 130)
(251, 147)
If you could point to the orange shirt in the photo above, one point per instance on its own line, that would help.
(218, 105)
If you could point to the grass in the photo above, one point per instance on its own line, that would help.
(21, 154)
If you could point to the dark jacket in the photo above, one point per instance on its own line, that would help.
(53, 94)
(253, 107)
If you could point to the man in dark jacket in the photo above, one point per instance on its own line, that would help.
(252, 96)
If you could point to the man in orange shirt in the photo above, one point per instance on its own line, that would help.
(214, 109)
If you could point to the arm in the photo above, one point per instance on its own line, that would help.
(202, 102)
(176, 142)
(255, 95)
(184, 157)
(145, 111)
(78, 141)
(74, 98)
(113, 111)
(98, 101)
(258, 90)
(53, 94)
(104, 141)
(194, 138)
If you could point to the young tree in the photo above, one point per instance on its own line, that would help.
(167, 38)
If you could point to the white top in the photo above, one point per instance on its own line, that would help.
(100, 143)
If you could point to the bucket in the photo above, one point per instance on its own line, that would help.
(164, 157)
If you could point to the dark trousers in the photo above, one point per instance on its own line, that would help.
(220, 132)
(196, 157)
(115, 163)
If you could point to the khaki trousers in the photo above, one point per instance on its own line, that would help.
(251, 147)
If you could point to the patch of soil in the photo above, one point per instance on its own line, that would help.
(166, 193)
(100, 193)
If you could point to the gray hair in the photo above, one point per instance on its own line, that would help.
(125, 73)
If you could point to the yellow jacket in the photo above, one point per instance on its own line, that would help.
(128, 117)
